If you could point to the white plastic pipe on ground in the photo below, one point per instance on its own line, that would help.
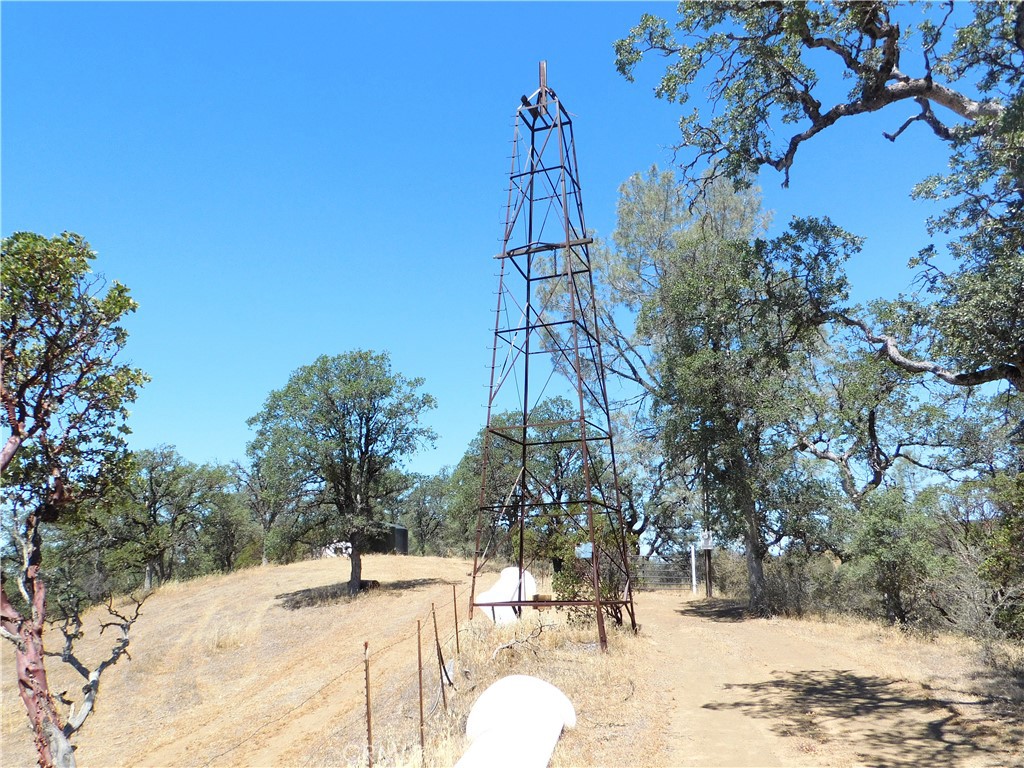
(516, 723)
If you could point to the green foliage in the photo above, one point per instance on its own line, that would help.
(863, 417)
(463, 503)
(65, 398)
(272, 488)
(228, 536)
(554, 480)
(345, 423)
(64, 401)
(168, 518)
(573, 576)
(1003, 568)
(893, 546)
(658, 506)
(766, 72)
(767, 77)
(425, 509)
(730, 322)
(979, 312)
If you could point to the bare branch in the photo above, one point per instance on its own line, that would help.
(522, 641)
(91, 688)
(928, 117)
(890, 349)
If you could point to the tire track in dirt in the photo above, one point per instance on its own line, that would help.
(221, 674)
(392, 647)
(183, 665)
(693, 670)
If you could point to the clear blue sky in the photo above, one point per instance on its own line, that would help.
(279, 181)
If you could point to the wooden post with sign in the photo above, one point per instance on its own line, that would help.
(706, 544)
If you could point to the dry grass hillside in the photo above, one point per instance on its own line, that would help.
(265, 668)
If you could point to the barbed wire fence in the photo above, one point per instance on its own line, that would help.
(408, 692)
(407, 683)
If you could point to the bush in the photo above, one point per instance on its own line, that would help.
(728, 573)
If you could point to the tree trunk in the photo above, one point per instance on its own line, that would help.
(755, 575)
(755, 551)
(148, 583)
(739, 479)
(52, 746)
(356, 577)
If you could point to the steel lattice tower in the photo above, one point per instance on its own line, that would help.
(557, 483)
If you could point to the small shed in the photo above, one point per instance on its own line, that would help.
(393, 540)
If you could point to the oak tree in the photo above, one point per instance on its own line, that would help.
(348, 422)
(773, 74)
(724, 321)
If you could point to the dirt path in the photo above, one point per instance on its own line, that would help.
(754, 692)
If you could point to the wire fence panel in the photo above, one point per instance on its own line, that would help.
(653, 576)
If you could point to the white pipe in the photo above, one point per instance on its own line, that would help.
(693, 568)
(516, 723)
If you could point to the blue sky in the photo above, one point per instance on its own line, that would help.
(279, 181)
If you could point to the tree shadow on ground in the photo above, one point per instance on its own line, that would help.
(715, 609)
(886, 723)
(338, 593)
(1002, 676)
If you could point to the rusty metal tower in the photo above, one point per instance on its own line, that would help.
(549, 488)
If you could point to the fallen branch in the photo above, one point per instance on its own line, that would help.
(522, 641)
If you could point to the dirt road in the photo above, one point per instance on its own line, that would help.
(755, 692)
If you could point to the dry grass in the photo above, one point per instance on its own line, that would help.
(265, 668)
(849, 692)
(926, 658)
(612, 709)
(610, 706)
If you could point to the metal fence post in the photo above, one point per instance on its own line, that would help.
(440, 659)
(369, 711)
(419, 665)
(455, 607)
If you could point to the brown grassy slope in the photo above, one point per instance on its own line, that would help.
(215, 658)
(223, 673)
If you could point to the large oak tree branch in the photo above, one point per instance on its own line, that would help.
(888, 346)
(904, 88)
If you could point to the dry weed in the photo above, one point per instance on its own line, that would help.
(222, 673)
(600, 685)
(230, 638)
